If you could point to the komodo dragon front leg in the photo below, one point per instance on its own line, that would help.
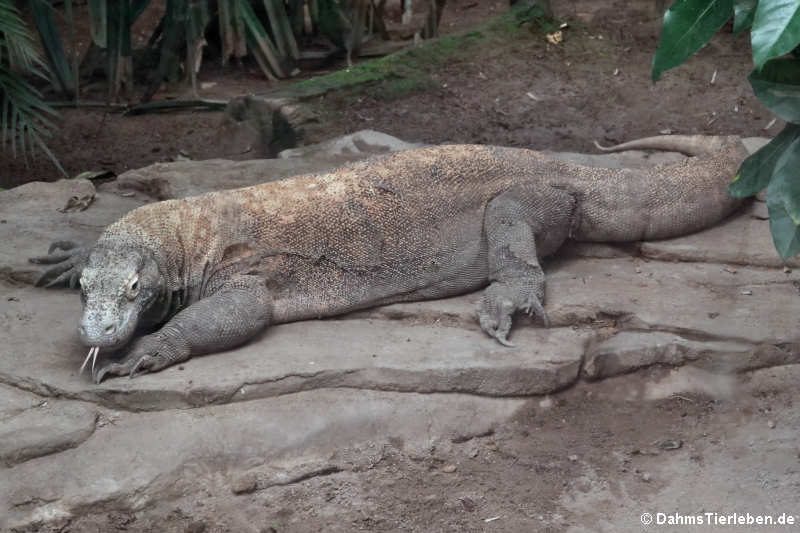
(520, 225)
(233, 314)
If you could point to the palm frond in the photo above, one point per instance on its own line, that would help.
(53, 45)
(26, 120)
(17, 46)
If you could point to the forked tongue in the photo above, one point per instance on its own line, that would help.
(93, 351)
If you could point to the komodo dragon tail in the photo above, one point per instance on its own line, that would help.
(692, 145)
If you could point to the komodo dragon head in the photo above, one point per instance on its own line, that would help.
(119, 285)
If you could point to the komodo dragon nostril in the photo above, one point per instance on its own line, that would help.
(110, 329)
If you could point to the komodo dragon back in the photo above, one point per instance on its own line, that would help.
(215, 269)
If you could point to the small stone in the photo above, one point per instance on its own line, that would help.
(771, 424)
(573, 458)
(730, 270)
(468, 504)
(646, 476)
(747, 293)
(245, 484)
(787, 270)
(198, 526)
(449, 469)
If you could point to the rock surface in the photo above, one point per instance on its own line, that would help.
(310, 399)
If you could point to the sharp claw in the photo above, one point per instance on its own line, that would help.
(100, 375)
(504, 341)
(136, 367)
(61, 245)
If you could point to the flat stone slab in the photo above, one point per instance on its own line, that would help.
(364, 142)
(741, 240)
(354, 353)
(704, 300)
(49, 427)
(631, 350)
(133, 459)
(30, 220)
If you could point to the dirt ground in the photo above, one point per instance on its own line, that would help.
(591, 459)
(514, 91)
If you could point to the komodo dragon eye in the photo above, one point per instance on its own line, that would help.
(133, 287)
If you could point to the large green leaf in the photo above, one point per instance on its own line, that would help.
(264, 50)
(757, 170)
(688, 25)
(138, 7)
(743, 12)
(98, 22)
(53, 47)
(776, 29)
(120, 62)
(784, 188)
(777, 85)
(26, 118)
(282, 28)
(18, 49)
(785, 233)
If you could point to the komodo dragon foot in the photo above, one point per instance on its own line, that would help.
(499, 303)
(150, 353)
(68, 263)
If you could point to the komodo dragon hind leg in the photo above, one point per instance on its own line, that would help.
(68, 264)
(517, 223)
(228, 317)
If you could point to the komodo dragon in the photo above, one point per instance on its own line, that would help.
(215, 269)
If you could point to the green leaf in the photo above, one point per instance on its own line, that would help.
(98, 22)
(785, 233)
(687, 26)
(281, 28)
(757, 170)
(53, 47)
(784, 188)
(743, 12)
(776, 29)
(137, 8)
(120, 66)
(264, 50)
(777, 85)
(25, 119)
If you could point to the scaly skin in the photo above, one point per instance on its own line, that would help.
(213, 270)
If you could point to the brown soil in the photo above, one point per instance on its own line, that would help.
(598, 441)
(516, 91)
